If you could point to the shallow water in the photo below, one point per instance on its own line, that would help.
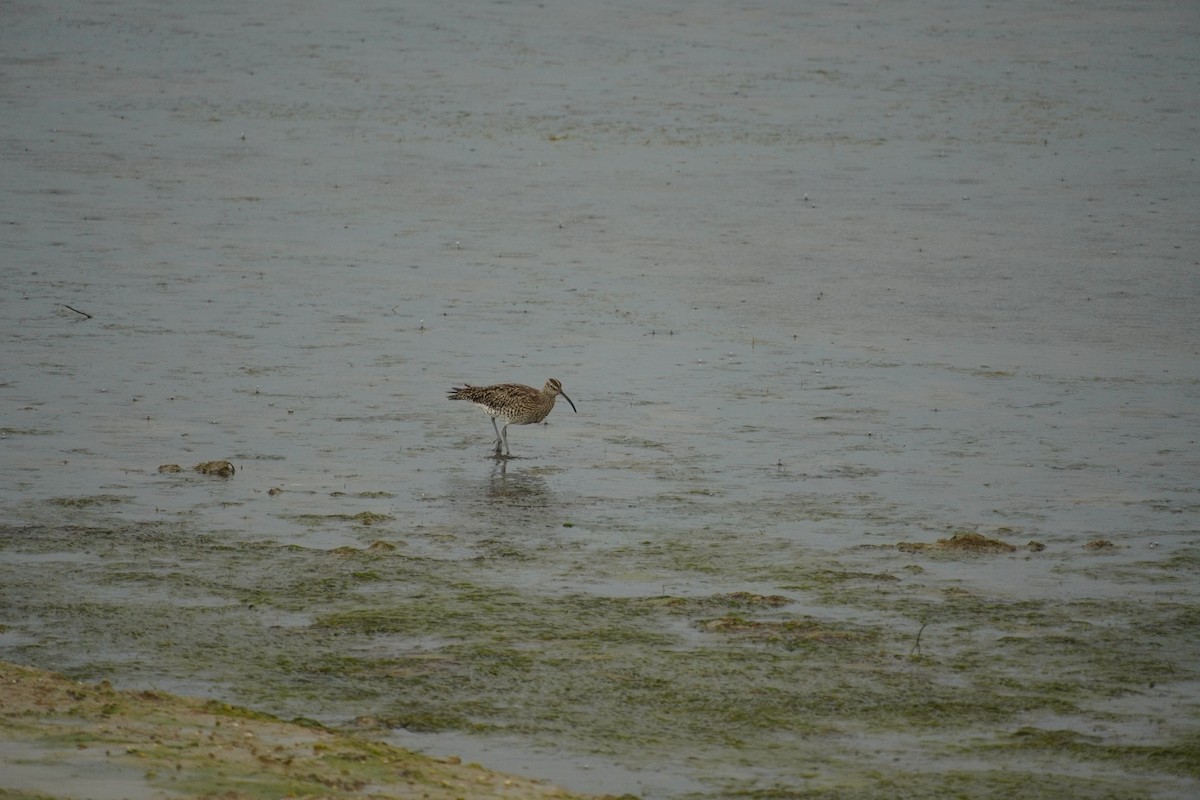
(819, 282)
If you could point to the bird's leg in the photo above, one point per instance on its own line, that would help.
(499, 438)
(504, 436)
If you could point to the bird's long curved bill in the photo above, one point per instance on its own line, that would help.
(564, 394)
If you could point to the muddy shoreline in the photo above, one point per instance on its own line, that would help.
(840, 658)
(76, 739)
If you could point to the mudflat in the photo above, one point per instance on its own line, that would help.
(879, 320)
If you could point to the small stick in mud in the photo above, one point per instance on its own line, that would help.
(917, 647)
(77, 311)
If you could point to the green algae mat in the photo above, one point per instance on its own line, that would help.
(63, 738)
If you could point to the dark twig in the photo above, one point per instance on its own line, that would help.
(917, 647)
(77, 311)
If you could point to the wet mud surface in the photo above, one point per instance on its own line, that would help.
(91, 740)
(880, 328)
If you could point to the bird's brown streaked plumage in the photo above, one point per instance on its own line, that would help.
(514, 403)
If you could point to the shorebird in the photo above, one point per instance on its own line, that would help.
(513, 403)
